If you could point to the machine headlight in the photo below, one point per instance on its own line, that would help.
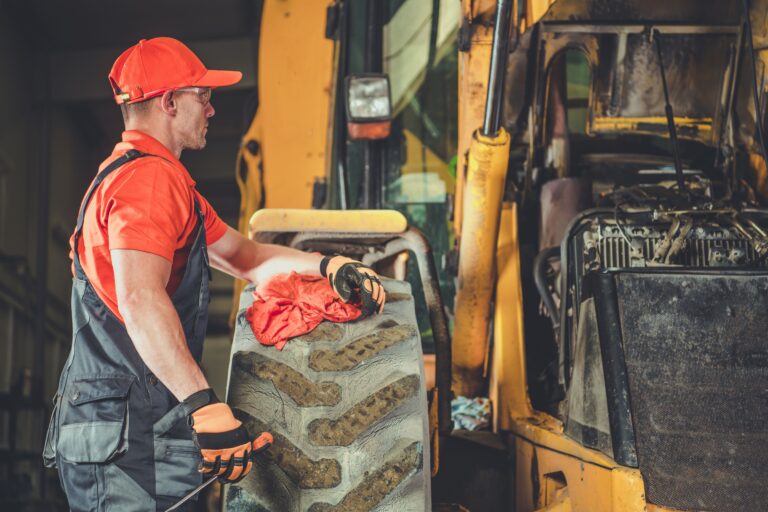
(369, 108)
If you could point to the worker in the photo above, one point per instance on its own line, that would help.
(136, 425)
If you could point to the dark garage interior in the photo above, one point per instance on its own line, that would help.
(59, 123)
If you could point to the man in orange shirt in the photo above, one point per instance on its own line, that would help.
(135, 422)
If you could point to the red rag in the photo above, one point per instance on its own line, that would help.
(290, 305)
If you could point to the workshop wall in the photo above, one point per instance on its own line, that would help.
(15, 82)
(57, 123)
(45, 164)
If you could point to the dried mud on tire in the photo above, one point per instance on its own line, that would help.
(347, 406)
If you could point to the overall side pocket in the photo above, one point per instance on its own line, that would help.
(176, 458)
(49, 448)
(93, 425)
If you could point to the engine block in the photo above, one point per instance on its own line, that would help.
(608, 245)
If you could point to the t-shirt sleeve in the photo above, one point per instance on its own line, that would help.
(214, 226)
(148, 210)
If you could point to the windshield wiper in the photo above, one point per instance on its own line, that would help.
(670, 114)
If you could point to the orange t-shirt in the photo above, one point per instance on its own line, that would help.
(146, 205)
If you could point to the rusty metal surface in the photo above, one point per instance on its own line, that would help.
(700, 78)
(625, 87)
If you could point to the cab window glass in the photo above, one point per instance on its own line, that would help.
(577, 76)
(420, 57)
(567, 104)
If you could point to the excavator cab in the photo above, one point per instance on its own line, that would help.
(575, 233)
(387, 202)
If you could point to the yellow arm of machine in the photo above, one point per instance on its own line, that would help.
(479, 191)
(285, 147)
(569, 475)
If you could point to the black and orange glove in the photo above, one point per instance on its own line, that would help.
(354, 283)
(225, 445)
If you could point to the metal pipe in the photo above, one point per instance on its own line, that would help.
(498, 70)
(615, 371)
(670, 116)
(726, 128)
(414, 240)
(756, 227)
(370, 197)
(486, 170)
(343, 203)
(339, 142)
(759, 244)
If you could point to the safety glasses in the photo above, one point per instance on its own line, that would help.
(203, 93)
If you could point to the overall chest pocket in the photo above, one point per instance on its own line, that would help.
(94, 419)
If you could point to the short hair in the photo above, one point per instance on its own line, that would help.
(131, 110)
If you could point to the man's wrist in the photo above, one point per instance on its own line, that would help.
(200, 399)
(324, 265)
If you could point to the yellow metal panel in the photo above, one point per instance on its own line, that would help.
(474, 66)
(563, 505)
(658, 508)
(291, 126)
(248, 178)
(536, 9)
(488, 160)
(248, 173)
(544, 430)
(628, 490)
(703, 126)
(526, 496)
(285, 220)
(760, 174)
(295, 75)
(473, 85)
(590, 487)
(509, 390)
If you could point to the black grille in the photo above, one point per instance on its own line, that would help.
(696, 351)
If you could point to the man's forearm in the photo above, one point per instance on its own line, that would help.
(255, 262)
(278, 259)
(154, 327)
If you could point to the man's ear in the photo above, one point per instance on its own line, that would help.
(168, 103)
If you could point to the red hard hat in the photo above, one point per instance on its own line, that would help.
(154, 66)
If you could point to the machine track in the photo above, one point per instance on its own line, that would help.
(347, 407)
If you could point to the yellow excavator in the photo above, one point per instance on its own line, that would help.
(566, 198)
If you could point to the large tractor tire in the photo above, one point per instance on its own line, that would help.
(347, 407)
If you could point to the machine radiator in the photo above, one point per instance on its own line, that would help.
(697, 367)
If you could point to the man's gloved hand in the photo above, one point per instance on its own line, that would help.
(354, 283)
(225, 446)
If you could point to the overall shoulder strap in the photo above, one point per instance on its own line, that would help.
(199, 211)
(129, 155)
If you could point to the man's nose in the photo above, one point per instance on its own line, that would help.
(209, 110)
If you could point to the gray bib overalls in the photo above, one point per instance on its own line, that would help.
(118, 437)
